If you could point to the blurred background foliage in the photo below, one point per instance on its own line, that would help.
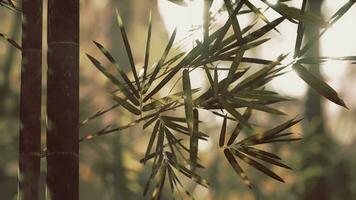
(109, 165)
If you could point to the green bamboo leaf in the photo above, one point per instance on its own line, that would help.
(193, 54)
(295, 13)
(260, 32)
(262, 157)
(148, 43)
(128, 48)
(259, 74)
(216, 83)
(181, 129)
(230, 109)
(253, 139)
(257, 165)
(118, 68)
(234, 22)
(233, 49)
(262, 152)
(149, 122)
(186, 172)
(300, 31)
(127, 105)
(156, 194)
(254, 105)
(98, 114)
(262, 98)
(176, 119)
(11, 41)
(223, 133)
(188, 100)
(152, 139)
(222, 31)
(321, 59)
(171, 178)
(114, 80)
(161, 61)
(167, 99)
(320, 86)
(235, 165)
(338, 14)
(194, 140)
(238, 128)
(257, 12)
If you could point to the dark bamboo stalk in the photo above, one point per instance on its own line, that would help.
(30, 100)
(63, 99)
(318, 187)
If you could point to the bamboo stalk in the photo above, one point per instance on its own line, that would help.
(30, 100)
(63, 99)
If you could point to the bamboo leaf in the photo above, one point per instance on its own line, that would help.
(149, 122)
(253, 139)
(257, 165)
(152, 139)
(11, 41)
(260, 32)
(300, 31)
(235, 165)
(161, 61)
(128, 48)
(238, 128)
(114, 80)
(194, 140)
(254, 105)
(234, 113)
(321, 59)
(223, 133)
(222, 31)
(262, 157)
(148, 43)
(262, 152)
(259, 74)
(127, 105)
(118, 68)
(257, 12)
(188, 100)
(186, 172)
(320, 86)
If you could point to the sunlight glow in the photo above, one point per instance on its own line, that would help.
(188, 20)
(274, 2)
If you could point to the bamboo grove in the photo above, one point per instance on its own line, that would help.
(173, 148)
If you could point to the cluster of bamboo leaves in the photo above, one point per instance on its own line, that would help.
(234, 98)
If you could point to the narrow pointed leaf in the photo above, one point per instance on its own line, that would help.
(235, 165)
(127, 105)
(194, 140)
(114, 80)
(161, 61)
(257, 165)
(320, 86)
(238, 128)
(128, 48)
(223, 133)
(118, 68)
(188, 101)
(148, 43)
